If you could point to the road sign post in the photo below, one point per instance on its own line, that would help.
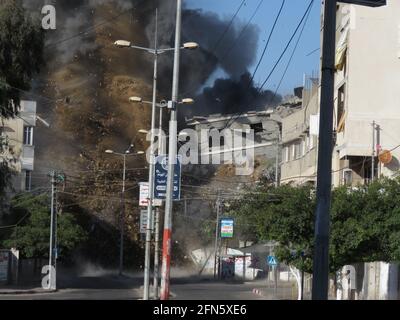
(325, 147)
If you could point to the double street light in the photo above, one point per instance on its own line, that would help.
(161, 149)
(156, 52)
(127, 153)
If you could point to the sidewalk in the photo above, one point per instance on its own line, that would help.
(266, 289)
(19, 290)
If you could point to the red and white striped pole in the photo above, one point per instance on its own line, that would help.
(166, 256)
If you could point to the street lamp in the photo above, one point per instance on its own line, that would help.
(156, 52)
(122, 220)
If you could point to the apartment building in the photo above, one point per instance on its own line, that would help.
(367, 86)
(299, 138)
(265, 124)
(19, 150)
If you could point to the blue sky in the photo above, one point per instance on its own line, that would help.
(291, 15)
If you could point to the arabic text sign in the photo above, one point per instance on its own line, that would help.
(144, 196)
(161, 177)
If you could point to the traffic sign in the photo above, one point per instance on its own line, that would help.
(227, 228)
(272, 261)
(161, 177)
(143, 221)
(144, 196)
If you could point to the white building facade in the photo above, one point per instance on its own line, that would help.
(367, 86)
(19, 149)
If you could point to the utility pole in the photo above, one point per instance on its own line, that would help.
(166, 260)
(151, 170)
(122, 221)
(373, 153)
(277, 160)
(378, 148)
(216, 235)
(325, 148)
(157, 219)
(52, 276)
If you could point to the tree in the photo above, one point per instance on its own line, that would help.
(365, 222)
(21, 56)
(31, 237)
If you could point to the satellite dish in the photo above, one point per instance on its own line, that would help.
(385, 157)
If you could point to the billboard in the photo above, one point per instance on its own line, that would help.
(227, 228)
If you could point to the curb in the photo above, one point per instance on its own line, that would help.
(18, 292)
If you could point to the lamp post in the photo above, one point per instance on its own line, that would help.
(122, 218)
(163, 104)
(156, 52)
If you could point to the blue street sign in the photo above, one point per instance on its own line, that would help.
(161, 176)
(272, 261)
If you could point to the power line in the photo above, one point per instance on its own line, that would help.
(268, 41)
(287, 45)
(293, 53)
(90, 29)
(243, 30)
(217, 43)
(232, 119)
(228, 27)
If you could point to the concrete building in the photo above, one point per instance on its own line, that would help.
(299, 138)
(19, 150)
(367, 90)
(266, 126)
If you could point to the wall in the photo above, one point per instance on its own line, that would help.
(372, 80)
(373, 281)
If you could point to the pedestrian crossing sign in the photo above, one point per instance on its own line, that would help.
(272, 261)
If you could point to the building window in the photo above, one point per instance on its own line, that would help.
(285, 155)
(28, 136)
(28, 180)
(257, 127)
(341, 106)
(293, 155)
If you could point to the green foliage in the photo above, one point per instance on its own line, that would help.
(21, 54)
(5, 178)
(31, 237)
(365, 222)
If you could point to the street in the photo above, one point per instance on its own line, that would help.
(115, 288)
(209, 290)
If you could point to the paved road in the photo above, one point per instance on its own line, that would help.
(114, 288)
(88, 288)
(209, 290)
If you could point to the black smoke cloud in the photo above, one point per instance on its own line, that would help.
(232, 50)
(228, 96)
(76, 24)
